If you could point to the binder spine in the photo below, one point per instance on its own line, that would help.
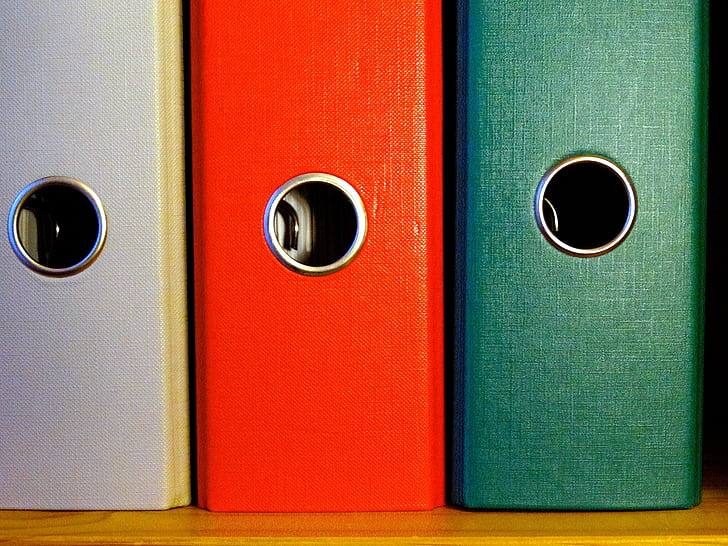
(93, 386)
(341, 369)
(579, 377)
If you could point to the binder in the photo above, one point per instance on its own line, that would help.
(93, 349)
(317, 205)
(580, 255)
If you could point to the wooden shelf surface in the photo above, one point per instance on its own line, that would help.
(705, 524)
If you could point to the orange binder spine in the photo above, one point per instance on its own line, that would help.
(317, 196)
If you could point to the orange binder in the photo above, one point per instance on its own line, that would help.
(318, 254)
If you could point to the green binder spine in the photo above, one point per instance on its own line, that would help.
(578, 366)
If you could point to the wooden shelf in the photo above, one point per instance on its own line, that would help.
(707, 523)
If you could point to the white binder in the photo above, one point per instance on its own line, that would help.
(93, 329)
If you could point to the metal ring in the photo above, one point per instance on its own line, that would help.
(540, 200)
(14, 235)
(270, 230)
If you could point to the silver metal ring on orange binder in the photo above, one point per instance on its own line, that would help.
(542, 205)
(14, 234)
(276, 201)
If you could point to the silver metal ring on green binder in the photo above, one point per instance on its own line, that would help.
(276, 205)
(14, 234)
(544, 208)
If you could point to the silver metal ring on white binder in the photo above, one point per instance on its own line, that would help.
(14, 234)
(542, 204)
(270, 223)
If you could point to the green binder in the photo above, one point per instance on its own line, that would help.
(580, 254)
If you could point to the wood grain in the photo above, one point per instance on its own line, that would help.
(707, 523)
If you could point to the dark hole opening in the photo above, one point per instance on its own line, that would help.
(586, 205)
(57, 226)
(316, 224)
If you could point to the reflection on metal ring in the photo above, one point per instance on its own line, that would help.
(15, 237)
(274, 206)
(541, 215)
